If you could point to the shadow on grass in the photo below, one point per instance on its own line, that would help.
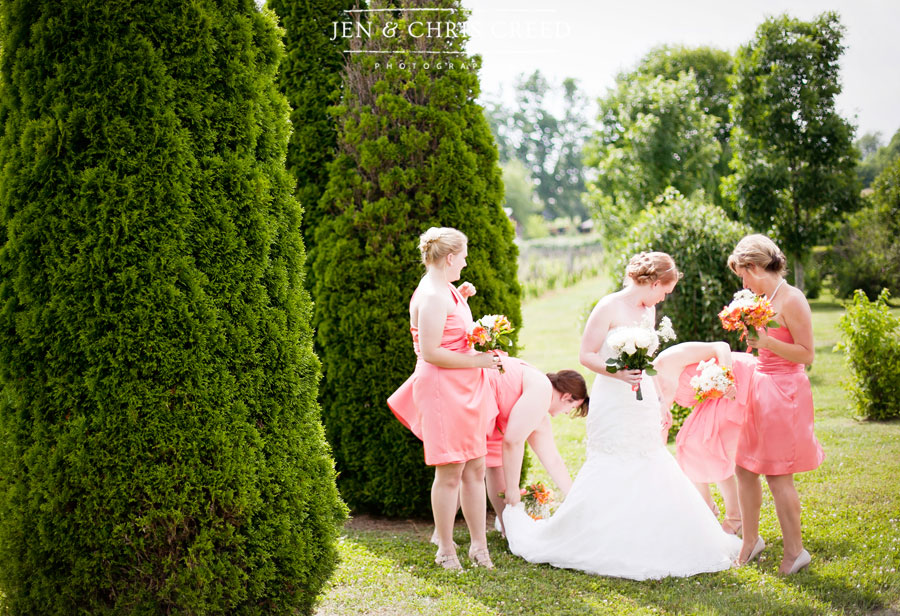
(517, 587)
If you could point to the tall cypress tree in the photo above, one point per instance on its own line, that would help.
(415, 151)
(310, 75)
(161, 445)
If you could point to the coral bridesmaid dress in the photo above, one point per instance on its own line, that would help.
(507, 388)
(450, 409)
(705, 446)
(777, 437)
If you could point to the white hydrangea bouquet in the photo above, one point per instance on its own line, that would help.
(712, 381)
(633, 347)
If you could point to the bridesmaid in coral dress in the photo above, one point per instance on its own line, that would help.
(777, 439)
(706, 443)
(448, 402)
(526, 400)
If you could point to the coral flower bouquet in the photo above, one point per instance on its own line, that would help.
(490, 333)
(746, 312)
(633, 347)
(712, 381)
(538, 500)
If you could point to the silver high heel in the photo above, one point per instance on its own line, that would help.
(755, 552)
(801, 562)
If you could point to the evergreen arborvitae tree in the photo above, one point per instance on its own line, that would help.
(310, 75)
(161, 445)
(415, 151)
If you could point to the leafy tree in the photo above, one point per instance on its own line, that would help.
(549, 144)
(414, 151)
(653, 134)
(793, 154)
(310, 76)
(875, 156)
(711, 68)
(519, 196)
(866, 251)
(868, 144)
(162, 449)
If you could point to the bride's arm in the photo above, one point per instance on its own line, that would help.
(595, 332)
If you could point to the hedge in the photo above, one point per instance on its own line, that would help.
(162, 450)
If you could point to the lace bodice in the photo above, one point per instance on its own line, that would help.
(617, 422)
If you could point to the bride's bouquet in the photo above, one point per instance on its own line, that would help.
(633, 348)
(491, 333)
(712, 380)
(746, 312)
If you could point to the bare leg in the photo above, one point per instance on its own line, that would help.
(787, 506)
(750, 498)
(493, 479)
(473, 502)
(444, 496)
(729, 489)
(703, 488)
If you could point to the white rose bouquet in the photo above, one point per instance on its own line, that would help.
(712, 380)
(634, 347)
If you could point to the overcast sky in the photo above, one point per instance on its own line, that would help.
(594, 40)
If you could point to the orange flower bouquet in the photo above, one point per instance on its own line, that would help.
(538, 500)
(746, 312)
(491, 333)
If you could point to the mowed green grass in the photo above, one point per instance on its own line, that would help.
(851, 520)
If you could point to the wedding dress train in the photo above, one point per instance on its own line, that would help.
(631, 512)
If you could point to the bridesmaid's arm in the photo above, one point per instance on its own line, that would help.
(798, 320)
(543, 445)
(432, 316)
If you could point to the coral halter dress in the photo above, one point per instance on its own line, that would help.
(777, 437)
(451, 410)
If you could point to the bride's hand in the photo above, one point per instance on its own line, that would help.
(632, 377)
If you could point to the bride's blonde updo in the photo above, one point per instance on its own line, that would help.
(760, 251)
(438, 242)
(650, 267)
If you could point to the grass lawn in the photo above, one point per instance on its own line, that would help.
(851, 521)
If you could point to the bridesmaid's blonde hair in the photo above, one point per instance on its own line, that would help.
(650, 267)
(438, 242)
(760, 251)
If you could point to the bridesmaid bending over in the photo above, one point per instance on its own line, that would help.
(526, 400)
(777, 439)
(705, 444)
(448, 402)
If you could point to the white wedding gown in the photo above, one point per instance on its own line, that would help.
(632, 512)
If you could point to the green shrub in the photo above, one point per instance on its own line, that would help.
(679, 414)
(414, 151)
(161, 445)
(871, 345)
(699, 237)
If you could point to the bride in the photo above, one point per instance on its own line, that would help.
(631, 511)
